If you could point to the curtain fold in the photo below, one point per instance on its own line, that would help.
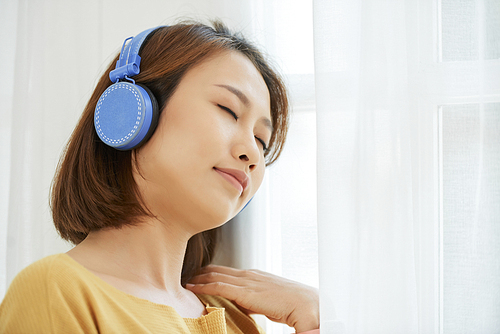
(30, 131)
(403, 157)
(365, 213)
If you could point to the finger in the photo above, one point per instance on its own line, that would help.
(252, 273)
(220, 289)
(212, 277)
(224, 270)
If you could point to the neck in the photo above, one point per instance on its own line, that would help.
(150, 253)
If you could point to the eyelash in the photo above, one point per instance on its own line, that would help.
(264, 146)
(229, 111)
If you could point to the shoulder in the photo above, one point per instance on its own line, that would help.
(41, 294)
(40, 277)
(41, 266)
(236, 320)
(33, 280)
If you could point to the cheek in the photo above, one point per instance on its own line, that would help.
(257, 178)
(196, 130)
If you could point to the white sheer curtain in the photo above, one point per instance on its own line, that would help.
(408, 165)
(407, 98)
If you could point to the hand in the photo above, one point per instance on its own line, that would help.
(254, 291)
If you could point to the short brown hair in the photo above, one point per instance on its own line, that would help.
(94, 186)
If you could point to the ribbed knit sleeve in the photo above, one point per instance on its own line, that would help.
(26, 297)
(31, 305)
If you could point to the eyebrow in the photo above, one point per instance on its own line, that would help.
(238, 93)
(267, 123)
(244, 99)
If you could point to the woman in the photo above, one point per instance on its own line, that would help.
(142, 214)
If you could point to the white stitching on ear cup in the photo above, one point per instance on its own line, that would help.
(97, 116)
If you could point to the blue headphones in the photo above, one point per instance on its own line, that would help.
(126, 114)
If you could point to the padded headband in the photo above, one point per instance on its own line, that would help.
(129, 62)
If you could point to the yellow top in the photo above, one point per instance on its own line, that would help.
(58, 295)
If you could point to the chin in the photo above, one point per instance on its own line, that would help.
(209, 219)
(213, 209)
(223, 208)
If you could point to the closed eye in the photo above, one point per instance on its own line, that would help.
(264, 146)
(232, 113)
(229, 111)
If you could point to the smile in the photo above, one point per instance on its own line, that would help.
(237, 178)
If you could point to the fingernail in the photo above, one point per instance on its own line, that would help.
(189, 286)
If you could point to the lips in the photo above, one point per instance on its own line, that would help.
(236, 177)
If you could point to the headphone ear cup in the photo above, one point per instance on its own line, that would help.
(126, 115)
(155, 115)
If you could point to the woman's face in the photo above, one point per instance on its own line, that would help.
(205, 160)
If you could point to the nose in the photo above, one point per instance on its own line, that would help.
(247, 151)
